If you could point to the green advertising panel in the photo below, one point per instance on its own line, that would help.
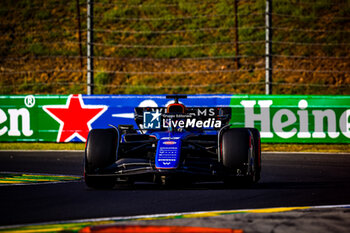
(294, 119)
(280, 118)
(22, 118)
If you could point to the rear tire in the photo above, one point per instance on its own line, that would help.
(100, 152)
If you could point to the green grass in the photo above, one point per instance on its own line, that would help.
(114, 18)
(41, 146)
(333, 148)
(35, 29)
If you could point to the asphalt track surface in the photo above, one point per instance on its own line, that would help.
(292, 179)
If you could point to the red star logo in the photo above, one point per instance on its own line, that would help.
(75, 118)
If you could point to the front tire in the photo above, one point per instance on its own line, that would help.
(100, 152)
(257, 153)
(237, 153)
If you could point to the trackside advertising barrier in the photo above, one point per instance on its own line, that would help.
(280, 118)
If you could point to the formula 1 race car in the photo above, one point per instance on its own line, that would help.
(173, 144)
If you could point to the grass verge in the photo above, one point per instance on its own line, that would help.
(41, 146)
(336, 148)
(331, 148)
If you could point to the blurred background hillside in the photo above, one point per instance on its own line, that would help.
(177, 46)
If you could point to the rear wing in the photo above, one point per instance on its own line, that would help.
(193, 117)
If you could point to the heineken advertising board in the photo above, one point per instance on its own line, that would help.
(280, 118)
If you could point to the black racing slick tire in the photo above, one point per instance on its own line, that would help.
(257, 153)
(100, 152)
(236, 146)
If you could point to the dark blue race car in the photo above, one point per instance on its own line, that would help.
(173, 144)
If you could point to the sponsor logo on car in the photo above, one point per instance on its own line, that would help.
(151, 120)
(192, 123)
(169, 143)
(156, 120)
